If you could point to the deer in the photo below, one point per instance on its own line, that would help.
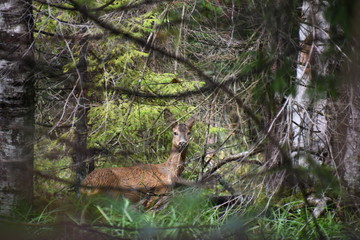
(145, 183)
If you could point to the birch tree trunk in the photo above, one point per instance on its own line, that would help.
(16, 104)
(308, 122)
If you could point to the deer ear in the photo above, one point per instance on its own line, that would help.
(190, 122)
(169, 118)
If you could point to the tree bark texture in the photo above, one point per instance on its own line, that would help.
(16, 104)
(346, 140)
(81, 133)
(308, 121)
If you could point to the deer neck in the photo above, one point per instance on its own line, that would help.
(176, 162)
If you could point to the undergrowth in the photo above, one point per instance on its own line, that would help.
(189, 215)
(294, 220)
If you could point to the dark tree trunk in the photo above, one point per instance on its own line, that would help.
(347, 138)
(81, 133)
(346, 141)
(16, 104)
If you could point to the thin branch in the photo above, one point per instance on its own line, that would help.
(73, 37)
(240, 157)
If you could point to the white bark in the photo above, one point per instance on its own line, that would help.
(308, 117)
(16, 104)
(351, 143)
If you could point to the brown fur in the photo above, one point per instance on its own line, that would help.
(144, 181)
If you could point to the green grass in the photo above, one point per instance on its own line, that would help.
(188, 215)
(294, 220)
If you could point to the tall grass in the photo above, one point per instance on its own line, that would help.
(189, 215)
(294, 220)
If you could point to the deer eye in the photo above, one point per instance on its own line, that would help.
(175, 133)
(189, 133)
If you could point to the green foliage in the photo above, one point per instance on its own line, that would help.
(52, 158)
(281, 82)
(167, 83)
(208, 10)
(340, 13)
(216, 130)
(325, 86)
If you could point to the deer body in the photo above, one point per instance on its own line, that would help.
(144, 182)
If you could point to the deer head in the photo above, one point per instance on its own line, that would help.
(181, 132)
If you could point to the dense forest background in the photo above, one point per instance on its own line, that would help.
(274, 153)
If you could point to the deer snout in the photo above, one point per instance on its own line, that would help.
(182, 144)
